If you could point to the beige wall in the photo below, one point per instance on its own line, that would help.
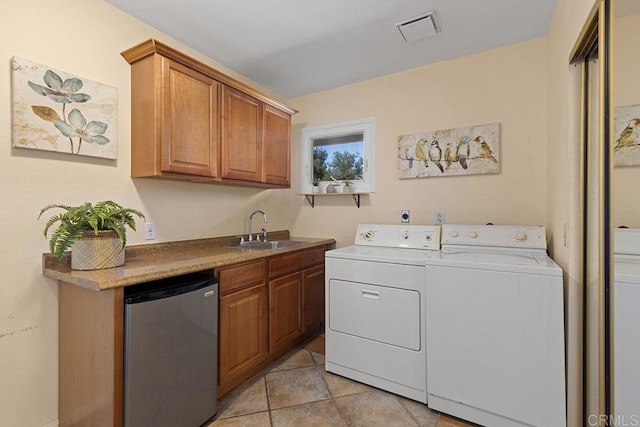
(83, 37)
(626, 91)
(506, 85)
(563, 181)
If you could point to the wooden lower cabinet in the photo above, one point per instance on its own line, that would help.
(313, 299)
(243, 334)
(285, 314)
(296, 308)
(90, 356)
(266, 308)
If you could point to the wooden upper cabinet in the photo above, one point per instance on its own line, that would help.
(191, 128)
(175, 125)
(276, 149)
(190, 121)
(241, 136)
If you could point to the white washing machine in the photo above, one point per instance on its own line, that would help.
(495, 327)
(375, 308)
(626, 297)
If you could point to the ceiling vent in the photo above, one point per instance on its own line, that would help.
(419, 27)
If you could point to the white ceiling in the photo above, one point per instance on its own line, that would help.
(297, 47)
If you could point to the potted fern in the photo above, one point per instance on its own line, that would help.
(96, 234)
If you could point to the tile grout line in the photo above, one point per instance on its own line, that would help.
(333, 399)
(266, 392)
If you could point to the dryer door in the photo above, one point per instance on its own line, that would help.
(379, 313)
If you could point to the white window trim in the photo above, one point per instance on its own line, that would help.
(365, 125)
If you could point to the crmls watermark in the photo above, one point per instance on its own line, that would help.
(614, 420)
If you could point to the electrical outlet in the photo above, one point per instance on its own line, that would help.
(439, 217)
(405, 217)
(149, 231)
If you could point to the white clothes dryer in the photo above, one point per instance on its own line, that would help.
(495, 327)
(626, 338)
(375, 308)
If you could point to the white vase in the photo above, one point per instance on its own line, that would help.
(93, 252)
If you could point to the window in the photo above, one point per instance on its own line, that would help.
(344, 151)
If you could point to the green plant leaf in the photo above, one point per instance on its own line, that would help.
(76, 220)
(45, 113)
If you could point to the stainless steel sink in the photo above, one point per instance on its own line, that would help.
(269, 244)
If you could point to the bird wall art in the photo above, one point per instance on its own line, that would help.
(626, 136)
(471, 150)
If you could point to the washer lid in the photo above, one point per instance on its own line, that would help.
(382, 254)
(627, 269)
(626, 241)
(492, 258)
(519, 261)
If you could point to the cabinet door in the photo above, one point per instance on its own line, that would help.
(313, 298)
(243, 335)
(276, 150)
(190, 126)
(241, 136)
(285, 317)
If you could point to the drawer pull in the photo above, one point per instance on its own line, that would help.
(370, 294)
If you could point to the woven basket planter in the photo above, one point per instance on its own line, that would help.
(93, 252)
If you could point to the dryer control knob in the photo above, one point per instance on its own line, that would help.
(520, 235)
(428, 237)
(368, 235)
(473, 234)
(453, 234)
(405, 235)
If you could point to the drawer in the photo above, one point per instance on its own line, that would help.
(295, 261)
(241, 276)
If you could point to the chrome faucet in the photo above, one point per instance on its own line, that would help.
(257, 211)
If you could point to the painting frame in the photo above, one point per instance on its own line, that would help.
(626, 133)
(53, 110)
(471, 150)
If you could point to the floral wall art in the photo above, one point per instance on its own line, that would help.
(462, 151)
(626, 143)
(57, 111)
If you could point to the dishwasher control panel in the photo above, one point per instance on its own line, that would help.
(399, 236)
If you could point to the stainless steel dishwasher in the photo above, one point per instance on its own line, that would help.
(171, 351)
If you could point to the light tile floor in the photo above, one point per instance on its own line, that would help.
(296, 391)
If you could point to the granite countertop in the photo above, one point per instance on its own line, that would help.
(148, 262)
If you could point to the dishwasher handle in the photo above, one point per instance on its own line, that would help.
(165, 288)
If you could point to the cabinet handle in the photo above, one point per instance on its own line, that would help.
(370, 294)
